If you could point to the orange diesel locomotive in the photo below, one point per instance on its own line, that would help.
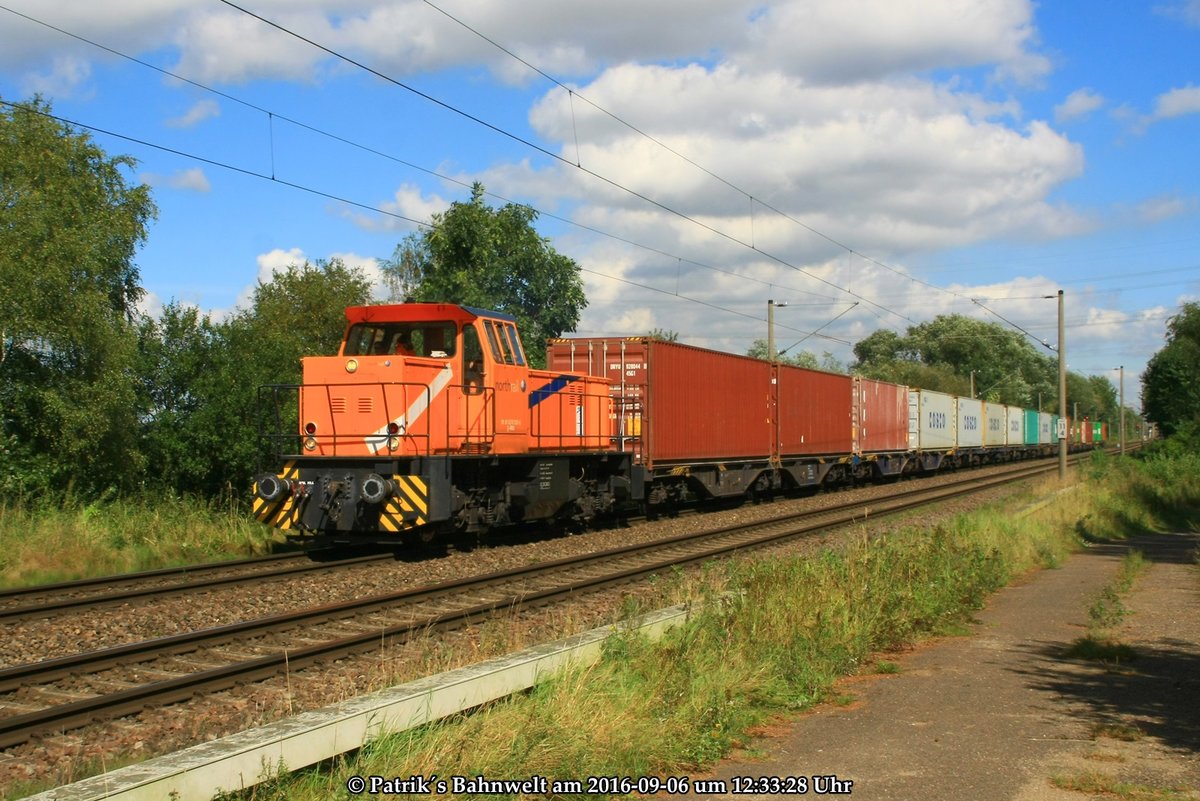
(429, 418)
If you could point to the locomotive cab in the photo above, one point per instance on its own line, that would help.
(430, 416)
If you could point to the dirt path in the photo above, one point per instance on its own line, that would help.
(999, 714)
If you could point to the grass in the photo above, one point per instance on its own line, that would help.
(770, 636)
(1105, 613)
(1100, 784)
(1117, 731)
(43, 543)
(782, 633)
(1154, 491)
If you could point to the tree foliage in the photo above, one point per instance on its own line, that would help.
(1170, 391)
(804, 358)
(476, 255)
(942, 355)
(70, 226)
(200, 379)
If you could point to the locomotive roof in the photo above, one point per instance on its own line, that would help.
(414, 312)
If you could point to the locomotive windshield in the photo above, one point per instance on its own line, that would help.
(429, 339)
(506, 345)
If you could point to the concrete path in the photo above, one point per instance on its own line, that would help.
(997, 715)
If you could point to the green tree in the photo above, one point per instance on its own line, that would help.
(1170, 391)
(476, 255)
(176, 355)
(200, 379)
(942, 355)
(758, 350)
(70, 226)
(882, 347)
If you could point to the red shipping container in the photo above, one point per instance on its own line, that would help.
(883, 416)
(815, 412)
(677, 403)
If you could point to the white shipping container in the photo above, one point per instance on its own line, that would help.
(1045, 429)
(932, 420)
(1016, 425)
(970, 423)
(995, 433)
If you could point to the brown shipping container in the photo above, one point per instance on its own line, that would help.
(815, 412)
(883, 422)
(677, 403)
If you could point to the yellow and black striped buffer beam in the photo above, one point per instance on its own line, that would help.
(408, 507)
(280, 512)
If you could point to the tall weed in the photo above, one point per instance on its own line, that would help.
(41, 543)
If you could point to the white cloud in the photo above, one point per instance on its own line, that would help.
(1078, 105)
(202, 110)
(280, 260)
(1188, 11)
(823, 109)
(408, 207)
(276, 261)
(1177, 103)
(150, 305)
(369, 265)
(1165, 207)
(228, 46)
(1174, 103)
(891, 166)
(821, 40)
(67, 77)
(189, 180)
(845, 41)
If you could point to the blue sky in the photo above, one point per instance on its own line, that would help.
(911, 157)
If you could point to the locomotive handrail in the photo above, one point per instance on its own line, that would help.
(591, 423)
(472, 438)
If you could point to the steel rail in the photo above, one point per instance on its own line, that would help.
(59, 605)
(20, 728)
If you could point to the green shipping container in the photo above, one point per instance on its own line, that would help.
(1031, 427)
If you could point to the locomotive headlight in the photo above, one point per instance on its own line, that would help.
(310, 444)
(351, 365)
(376, 488)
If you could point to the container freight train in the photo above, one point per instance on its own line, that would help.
(430, 420)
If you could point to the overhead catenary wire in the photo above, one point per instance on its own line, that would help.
(727, 182)
(273, 115)
(574, 94)
(559, 158)
(330, 196)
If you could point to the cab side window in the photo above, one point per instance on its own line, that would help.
(497, 356)
(515, 343)
(505, 347)
(472, 350)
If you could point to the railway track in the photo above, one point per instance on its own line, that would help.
(73, 691)
(45, 600)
